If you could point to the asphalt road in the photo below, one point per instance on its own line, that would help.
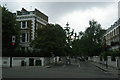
(84, 70)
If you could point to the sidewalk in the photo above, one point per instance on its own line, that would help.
(108, 69)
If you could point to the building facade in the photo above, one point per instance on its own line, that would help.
(30, 21)
(112, 36)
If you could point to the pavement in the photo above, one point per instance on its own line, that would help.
(107, 69)
(80, 69)
(86, 70)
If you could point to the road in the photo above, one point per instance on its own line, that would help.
(85, 70)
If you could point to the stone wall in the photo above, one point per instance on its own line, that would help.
(5, 61)
(25, 61)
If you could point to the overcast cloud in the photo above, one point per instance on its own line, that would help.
(77, 14)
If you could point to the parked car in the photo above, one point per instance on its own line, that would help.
(81, 59)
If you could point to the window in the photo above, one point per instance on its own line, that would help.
(23, 37)
(114, 32)
(24, 24)
(27, 37)
(25, 13)
(117, 31)
(41, 26)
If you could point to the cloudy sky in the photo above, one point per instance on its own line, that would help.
(77, 14)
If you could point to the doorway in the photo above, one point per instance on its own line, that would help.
(38, 62)
(31, 62)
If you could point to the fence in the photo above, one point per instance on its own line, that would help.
(25, 61)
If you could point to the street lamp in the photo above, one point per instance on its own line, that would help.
(106, 56)
(105, 50)
(52, 56)
(118, 65)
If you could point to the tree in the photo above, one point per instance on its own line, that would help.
(9, 28)
(91, 40)
(69, 39)
(50, 40)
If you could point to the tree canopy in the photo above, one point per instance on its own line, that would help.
(9, 28)
(91, 40)
(50, 40)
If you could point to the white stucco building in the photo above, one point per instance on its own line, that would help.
(29, 22)
(112, 36)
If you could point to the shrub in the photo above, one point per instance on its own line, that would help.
(113, 54)
(100, 58)
(104, 55)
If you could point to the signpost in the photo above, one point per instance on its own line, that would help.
(13, 40)
(13, 44)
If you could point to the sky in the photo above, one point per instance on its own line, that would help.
(77, 14)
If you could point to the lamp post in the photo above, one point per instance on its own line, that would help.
(106, 56)
(118, 66)
(13, 45)
(105, 49)
(52, 56)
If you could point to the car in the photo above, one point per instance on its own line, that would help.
(81, 59)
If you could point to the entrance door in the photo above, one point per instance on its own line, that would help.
(22, 63)
(38, 62)
(31, 62)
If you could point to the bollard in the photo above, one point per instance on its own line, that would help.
(106, 65)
